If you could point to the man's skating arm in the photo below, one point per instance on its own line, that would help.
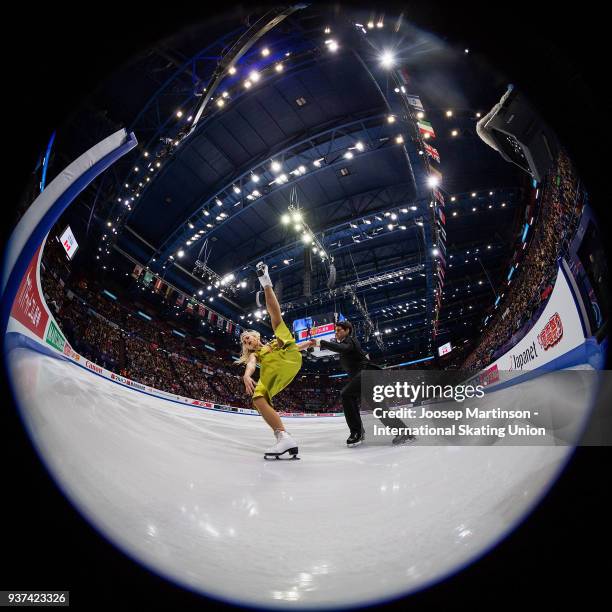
(337, 347)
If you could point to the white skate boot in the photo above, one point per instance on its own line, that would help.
(262, 273)
(284, 444)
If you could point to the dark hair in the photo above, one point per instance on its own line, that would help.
(346, 326)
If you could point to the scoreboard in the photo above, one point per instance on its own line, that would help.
(322, 332)
(69, 242)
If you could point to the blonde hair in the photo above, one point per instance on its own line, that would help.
(246, 352)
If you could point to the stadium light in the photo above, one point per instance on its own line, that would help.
(387, 59)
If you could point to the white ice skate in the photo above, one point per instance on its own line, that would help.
(284, 444)
(262, 273)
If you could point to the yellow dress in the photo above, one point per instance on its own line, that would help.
(280, 361)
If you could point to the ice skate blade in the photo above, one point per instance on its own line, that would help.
(404, 442)
(355, 444)
(292, 455)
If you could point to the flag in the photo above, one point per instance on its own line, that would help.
(415, 101)
(439, 197)
(202, 311)
(426, 128)
(180, 299)
(137, 272)
(432, 152)
(441, 215)
(441, 231)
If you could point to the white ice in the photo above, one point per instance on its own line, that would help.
(186, 492)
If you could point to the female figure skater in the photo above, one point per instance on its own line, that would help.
(280, 361)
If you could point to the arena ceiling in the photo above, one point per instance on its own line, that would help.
(208, 190)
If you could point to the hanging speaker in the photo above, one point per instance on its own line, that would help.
(331, 281)
(278, 290)
(307, 289)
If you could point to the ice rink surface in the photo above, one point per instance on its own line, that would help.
(186, 492)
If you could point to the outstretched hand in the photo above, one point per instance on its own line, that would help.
(249, 384)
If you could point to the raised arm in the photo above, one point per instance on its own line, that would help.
(249, 383)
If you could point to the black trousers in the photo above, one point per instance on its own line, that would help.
(351, 394)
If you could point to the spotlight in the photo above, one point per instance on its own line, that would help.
(265, 51)
(276, 166)
(247, 84)
(307, 238)
(220, 103)
(390, 119)
(296, 216)
(435, 252)
(399, 139)
(420, 115)
(254, 76)
(387, 59)
(348, 155)
(278, 67)
(181, 253)
(433, 181)
(179, 114)
(232, 70)
(449, 113)
(332, 46)
(360, 146)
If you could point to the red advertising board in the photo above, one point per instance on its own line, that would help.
(28, 308)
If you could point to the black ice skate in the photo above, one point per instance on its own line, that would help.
(402, 439)
(355, 439)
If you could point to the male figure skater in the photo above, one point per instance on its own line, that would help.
(353, 361)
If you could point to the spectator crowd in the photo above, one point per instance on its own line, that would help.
(111, 334)
(558, 217)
